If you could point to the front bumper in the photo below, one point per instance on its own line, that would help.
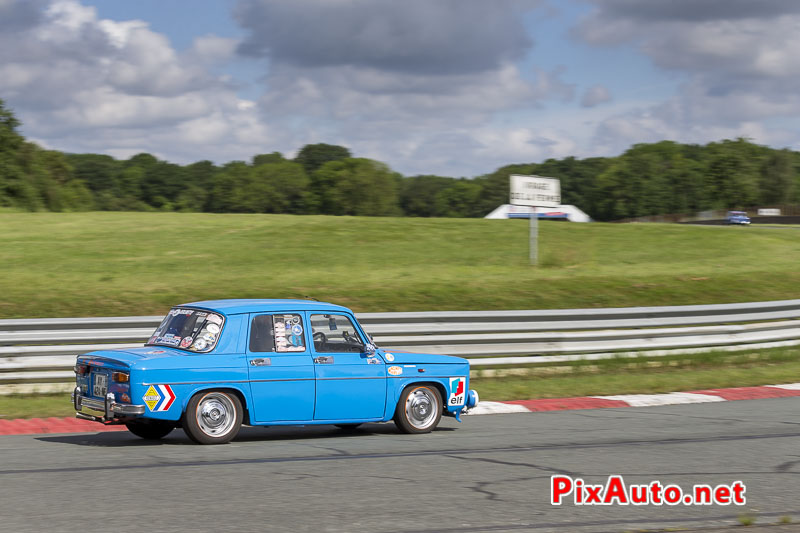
(113, 412)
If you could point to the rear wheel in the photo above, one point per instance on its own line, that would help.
(213, 417)
(150, 429)
(419, 409)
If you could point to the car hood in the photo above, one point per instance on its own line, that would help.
(420, 358)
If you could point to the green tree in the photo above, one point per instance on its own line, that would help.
(418, 194)
(313, 156)
(777, 177)
(459, 200)
(16, 188)
(262, 159)
(732, 173)
(356, 186)
(285, 185)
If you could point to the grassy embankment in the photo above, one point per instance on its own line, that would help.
(106, 264)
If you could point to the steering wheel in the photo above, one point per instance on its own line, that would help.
(320, 337)
(352, 339)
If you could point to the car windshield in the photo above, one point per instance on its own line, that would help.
(188, 329)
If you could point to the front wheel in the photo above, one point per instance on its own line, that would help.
(150, 429)
(213, 417)
(419, 409)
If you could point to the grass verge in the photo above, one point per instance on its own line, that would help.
(119, 264)
(596, 378)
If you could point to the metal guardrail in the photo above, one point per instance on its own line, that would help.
(44, 350)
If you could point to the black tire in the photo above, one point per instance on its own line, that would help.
(150, 429)
(419, 409)
(347, 427)
(213, 417)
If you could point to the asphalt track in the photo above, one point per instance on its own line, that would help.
(490, 473)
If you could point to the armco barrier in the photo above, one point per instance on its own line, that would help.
(44, 350)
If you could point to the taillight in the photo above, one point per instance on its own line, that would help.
(81, 370)
(120, 377)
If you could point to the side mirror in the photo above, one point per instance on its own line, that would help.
(369, 349)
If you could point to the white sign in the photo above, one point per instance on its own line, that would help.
(769, 212)
(535, 191)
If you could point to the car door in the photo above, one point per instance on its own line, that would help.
(280, 368)
(350, 384)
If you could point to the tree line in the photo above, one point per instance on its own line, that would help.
(648, 179)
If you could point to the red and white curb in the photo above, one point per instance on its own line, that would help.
(637, 400)
(73, 425)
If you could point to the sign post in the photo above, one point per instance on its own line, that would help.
(535, 191)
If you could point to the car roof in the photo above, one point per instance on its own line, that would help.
(237, 306)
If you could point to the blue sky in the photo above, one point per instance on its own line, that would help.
(448, 87)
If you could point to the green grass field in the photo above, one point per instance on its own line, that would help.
(116, 264)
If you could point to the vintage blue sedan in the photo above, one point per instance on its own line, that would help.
(215, 365)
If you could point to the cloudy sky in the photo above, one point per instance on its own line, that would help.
(449, 87)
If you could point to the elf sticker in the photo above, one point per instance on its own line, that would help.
(159, 397)
(457, 389)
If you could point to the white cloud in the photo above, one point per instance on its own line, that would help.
(595, 95)
(84, 84)
(738, 56)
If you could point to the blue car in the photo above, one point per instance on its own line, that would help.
(737, 217)
(215, 365)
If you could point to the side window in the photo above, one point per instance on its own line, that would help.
(335, 333)
(288, 331)
(262, 336)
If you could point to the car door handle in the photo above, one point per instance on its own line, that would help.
(324, 360)
(261, 362)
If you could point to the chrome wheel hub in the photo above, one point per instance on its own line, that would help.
(215, 414)
(421, 407)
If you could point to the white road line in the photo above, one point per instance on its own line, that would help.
(787, 386)
(672, 398)
(497, 408)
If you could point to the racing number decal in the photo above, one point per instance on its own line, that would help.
(457, 391)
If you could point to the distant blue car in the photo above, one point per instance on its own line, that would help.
(737, 217)
(212, 366)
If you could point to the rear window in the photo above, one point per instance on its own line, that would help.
(188, 329)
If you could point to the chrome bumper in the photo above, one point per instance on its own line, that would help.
(111, 410)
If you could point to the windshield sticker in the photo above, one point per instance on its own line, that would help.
(212, 328)
(215, 319)
(176, 312)
(394, 370)
(457, 390)
(200, 344)
(169, 339)
(186, 342)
